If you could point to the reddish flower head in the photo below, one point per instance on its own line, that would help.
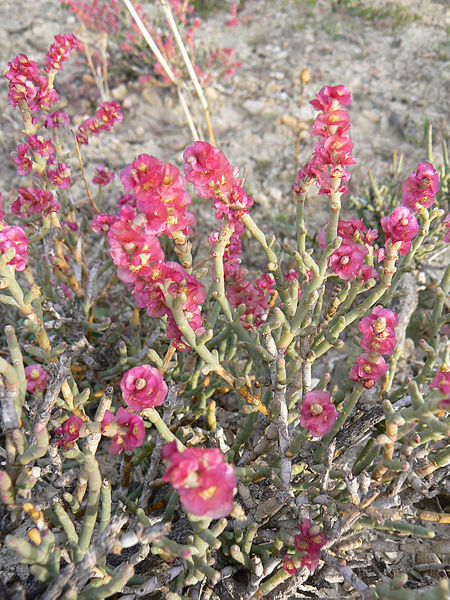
(442, 383)
(58, 173)
(309, 542)
(203, 480)
(101, 222)
(70, 431)
(14, 237)
(402, 226)
(368, 369)
(421, 187)
(348, 260)
(143, 387)
(40, 146)
(59, 51)
(57, 119)
(34, 201)
(330, 97)
(447, 228)
(378, 331)
(28, 85)
(288, 565)
(23, 160)
(129, 430)
(104, 176)
(36, 377)
(317, 413)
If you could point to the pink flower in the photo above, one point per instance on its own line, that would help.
(234, 20)
(34, 201)
(36, 378)
(14, 237)
(132, 247)
(447, 226)
(23, 160)
(28, 85)
(70, 431)
(288, 565)
(348, 260)
(108, 114)
(213, 177)
(57, 119)
(352, 231)
(421, 187)
(40, 146)
(402, 226)
(59, 51)
(204, 165)
(368, 272)
(101, 222)
(317, 413)
(143, 387)
(203, 480)
(369, 369)
(60, 175)
(378, 331)
(330, 96)
(338, 119)
(129, 430)
(143, 176)
(160, 194)
(309, 542)
(104, 176)
(442, 383)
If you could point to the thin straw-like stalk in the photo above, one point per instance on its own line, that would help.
(192, 74)
(162, 61)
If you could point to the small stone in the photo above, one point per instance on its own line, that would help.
(254, 107)
(120, 92)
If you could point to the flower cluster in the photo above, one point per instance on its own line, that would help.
(108, 114)
(213, 177)
(104, 176)
(27, 85)
(421, 187)
(59, 51)
(378, 338)
(69, 432)
(40, 146)
(34, 201)
(378, 331)
(447, 229)
(348, 261)
(14, 242)
(96, 15)
(160, 193)
(255, 297)
(317, 413)
(203, 480)
(333, 152)
(23, 160)
(126, 429)
(57, 119)
(36, 377)
(308, 543)
(155, 204)
(143, 387)
(442, 382)
(233, 20)
(400, 228)
(58, 173)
